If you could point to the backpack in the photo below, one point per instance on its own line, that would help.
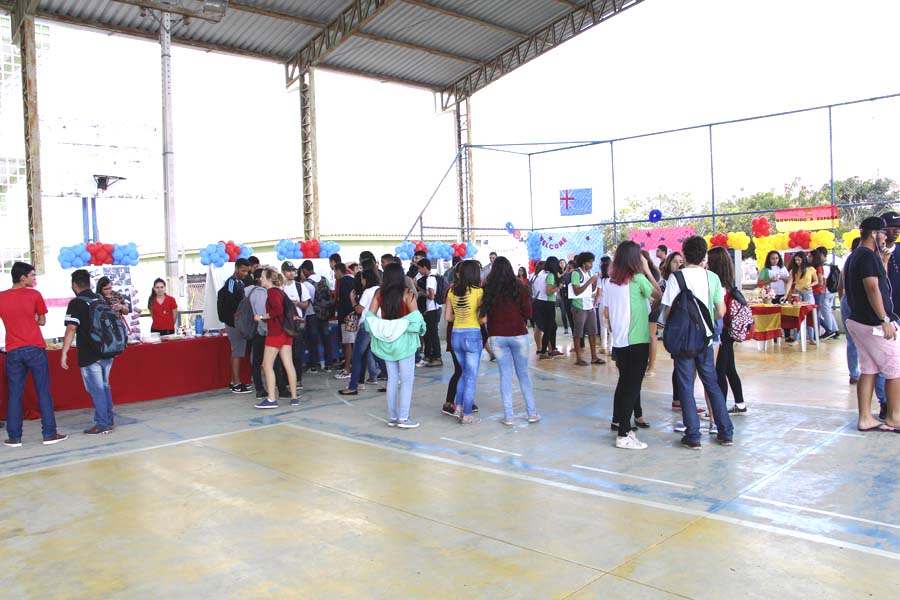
(741, 324)
(443, 286)
(108, 333)
(685, 335)
(291, 323)
(244, 319)
(831, 282)
(225, 305)
(323, 304)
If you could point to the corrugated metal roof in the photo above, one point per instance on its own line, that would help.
(433, 43)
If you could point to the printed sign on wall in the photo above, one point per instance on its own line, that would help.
(670, 237)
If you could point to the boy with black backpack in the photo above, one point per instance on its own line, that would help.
(693, 300)
(227, 301)
(100, 336)
(317, 315)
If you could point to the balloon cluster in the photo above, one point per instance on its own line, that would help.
(534, 246)
(445, 251)
(720, 239)
(799, 239)
(823, 237)
(738, 240)
(223, 252)
(849, 237)
(326, 249)
(405, 250)
(286, 249)
(761, 227)
(510, 229)
(81, 255)
(765, 244)
(531, 265)
(436, 250)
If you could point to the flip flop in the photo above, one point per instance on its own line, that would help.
(581, 363)
(598, 361)
(880, 428)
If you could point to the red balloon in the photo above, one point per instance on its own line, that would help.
(531, 265)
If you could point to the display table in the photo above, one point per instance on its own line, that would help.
(770, 319)
(142, 372)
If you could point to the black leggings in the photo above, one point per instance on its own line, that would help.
(547, 312)
(632, 364)
(727, 370)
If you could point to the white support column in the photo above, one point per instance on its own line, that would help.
(173, 281)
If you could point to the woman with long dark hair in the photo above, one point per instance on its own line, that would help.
(718, 261)
(654, 316)
(803, 278)
(163, 309)
(462, 308)
(507, 306)
(106, 291)
(673, 262)
(631, 287)
(369, 287)
(547, 286)
(522, 275)
(395, 338)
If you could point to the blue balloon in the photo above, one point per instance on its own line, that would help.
(509, 227)
(204, 260)
(655, 215)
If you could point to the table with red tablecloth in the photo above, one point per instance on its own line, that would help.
(142, 372)
(770, 319)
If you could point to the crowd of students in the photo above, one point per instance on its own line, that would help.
(389, 321)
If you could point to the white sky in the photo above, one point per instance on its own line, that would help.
(383, 148)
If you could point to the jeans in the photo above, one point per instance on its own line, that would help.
(632, 364)
(432, 337)
(18, 363)
(360, 358)
(96, 382)
(512, 352)
(467, 345)
(564, 311)
(853, 355)
(258, 345)
(317, 331)
(685, 370)
(727, 371)
(400, 376)
(547, 322)
(825, 303)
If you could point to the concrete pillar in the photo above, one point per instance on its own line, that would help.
(309, 155)
(27, 48)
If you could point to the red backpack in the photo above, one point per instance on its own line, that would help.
(740, 327)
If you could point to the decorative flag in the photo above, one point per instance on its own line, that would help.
(575, 202)
(807, 219)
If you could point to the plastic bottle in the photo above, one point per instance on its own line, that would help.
(198, 325)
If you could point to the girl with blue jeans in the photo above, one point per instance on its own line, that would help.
(462, 309)
(506, 305)
(803, 279)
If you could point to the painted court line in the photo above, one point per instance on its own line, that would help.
(482, 447)
(681, 485)
(828, 432)
(820, 512)
(810, 537)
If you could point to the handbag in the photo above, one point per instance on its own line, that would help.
(351, 322)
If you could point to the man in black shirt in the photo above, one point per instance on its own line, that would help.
(873, 325)
(347, 317)
(235, 286)
(94, 369)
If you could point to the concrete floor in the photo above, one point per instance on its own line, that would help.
(204, 496)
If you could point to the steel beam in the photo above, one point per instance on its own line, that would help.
(172, 7)
(574, 22)
(464, 181)
(458, 15)
(308, 155)
(348, 23)
(266, 12)
(383, 78)
(28, 52)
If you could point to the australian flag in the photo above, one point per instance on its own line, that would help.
(575, 202)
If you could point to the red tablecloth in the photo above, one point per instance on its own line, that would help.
(142, 372)
(793, 315)
(770, 319)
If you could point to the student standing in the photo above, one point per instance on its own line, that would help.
(316, 328)
(630, 289)
(673, 262)
(347, 317)
(426, 289)
(163, 309)
(300, 298)
(395, 339)
(234, 293)
(707, 289)
(803, 278)
(95, 370)
(24, 312)
(720, 263)
(278, 343)
(462, 308)
(506, 305)
(257, 296)
(361, 348)
(584, 288)
(546, 284)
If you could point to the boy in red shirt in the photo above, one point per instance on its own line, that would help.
(23, 312)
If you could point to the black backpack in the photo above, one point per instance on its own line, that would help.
(108, 333)
(443, 286)
(831, 282)
(685, 335)
(226, 307)
(291, 322)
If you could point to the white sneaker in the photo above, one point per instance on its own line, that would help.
(630, 442)
(421, 363)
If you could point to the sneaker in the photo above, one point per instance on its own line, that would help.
(829, 335)
(630, 442)
(314, 369)
(679, 427)
(246, 388)
(421, 363)
(556, 352)
(713, 429)
(327, 368)
(882, 413)
(58, 437)
(534, 418)
(371, 381)
(689, 444)
(98, 430)
(299, 386)
(266, 404)
(474, 407)
(506, 421)
(236, 388)
(392, 422)
(407, 424)
(295, 402)
(723, 441)
(342, 375)
(449, 410)
(738, 409)
(14, 442)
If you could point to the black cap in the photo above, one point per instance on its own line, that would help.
(872, 224)
(307, 265)
(891, 219)
(288, 266)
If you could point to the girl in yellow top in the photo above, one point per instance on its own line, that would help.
(463, 305)
(803, 279)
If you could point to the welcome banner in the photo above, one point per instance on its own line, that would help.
(807, 219)
(566, 244)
